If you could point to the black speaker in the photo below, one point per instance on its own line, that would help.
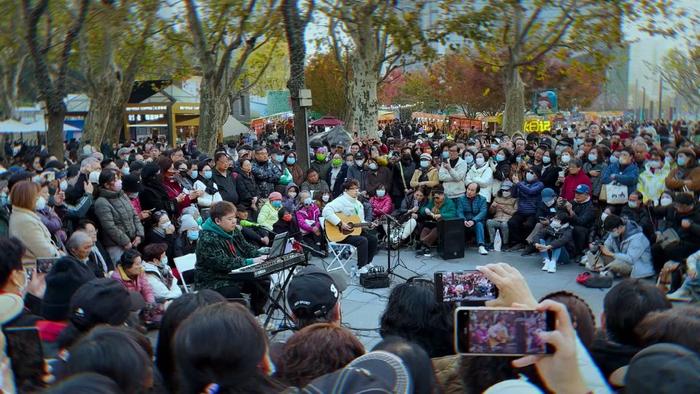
(451, 239)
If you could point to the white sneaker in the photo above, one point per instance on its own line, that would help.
(545, 264)
(552, 267)
(482, 250)
(364, 269)
(679, 295)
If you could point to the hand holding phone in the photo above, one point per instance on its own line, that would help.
(512, 287)
(464, 287)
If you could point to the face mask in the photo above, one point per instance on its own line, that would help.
(445, 154)
(530, 177)
(279, 158)
(118, 185)
(63, 185)
(546, 159)
(126, 170)
(336, 162)
(94, 177)
(325, 198)
(165, 225)
(23, 287)
(291, 161)
(373, 166)
(287, 217)
(208, 174)
(480, 161)
(192, 235)
(614, 159)
(500, 157)
(359, 163)
(603, 216)
(40, 203)
(666, 201)
(614, 234)
(681, 160)
(380, 193)
(565, 158)
(308, 201)
(592, 157)
(505, 194)
(36, 179)
(292, 194)
(424, 164)
(555, 224)
(349, 163)
(164, 260)
(276, 204)
(633, 204)
(469, 159)
(654, 164)
(194, 174)
(494, 146)
(320, 156)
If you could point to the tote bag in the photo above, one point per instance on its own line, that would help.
(616, 194)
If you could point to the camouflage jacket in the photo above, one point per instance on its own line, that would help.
(219, 252)
(267, 175)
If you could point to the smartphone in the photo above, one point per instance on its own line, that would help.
(501, 331)
(24, 349)
(469, 288)
(44, 265)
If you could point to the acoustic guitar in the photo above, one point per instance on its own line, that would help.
(337, 234)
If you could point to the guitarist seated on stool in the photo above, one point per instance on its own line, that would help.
(346, 205)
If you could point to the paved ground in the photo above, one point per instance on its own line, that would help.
(362, 308)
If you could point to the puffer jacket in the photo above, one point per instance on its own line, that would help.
(627, 176)
(267, 175)
(503, 208)
(138, 285)
(308, 218)
(268, 216)
(528, 195)
(381, 206)
(633, 249)
(428, 175)
(484, 177)
(219, 252)
(382, 176)
(595, 180)
(119, 222)
(473, 208)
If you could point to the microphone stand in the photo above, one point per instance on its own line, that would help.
(397, 260)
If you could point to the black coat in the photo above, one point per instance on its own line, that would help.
(246, 188)
(339, 180)
(154, 196)
(585, 214)
(548, 176)
(397, 184)
(227, 185)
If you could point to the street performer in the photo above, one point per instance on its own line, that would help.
(348, 205)
(222, 248)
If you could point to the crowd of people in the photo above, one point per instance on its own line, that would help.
(92, 238)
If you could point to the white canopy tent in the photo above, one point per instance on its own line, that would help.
(234, 127)
(12, 126)
(41, 127)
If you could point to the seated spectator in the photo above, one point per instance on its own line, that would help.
(377, 175)
(186, 242)
(595, 166)
(575, 176)
(528, 193)
(438, 208)
(268, 213)
(163, 231)
(252, 231)
(205, 184)
(683, 217)
(636, 211)
(222, 248)
(582, 216)
(624, 171)
(556, 243)
(290, 200)
(502, 208)
(381, 203)
(287, 223)
(628, 249)
(413, 314)
(26, 225)
(690, 288)
(482, 174)
(221, 361)
(158, 273)
(308, 216)
(547, 208)
(48, 215)
(14, 281)
(314, 184)
(176, 313)
(131, 184)
(626, 304)
(99, 260)
(130, 273)
(652, 179)
(317, 350)
(426, 174)
(473, 209)
(687, 175)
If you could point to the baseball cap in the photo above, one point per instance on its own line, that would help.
(583, 189)
(663, 368)
(426, 156)
(374, 372)
(548, 194)
(123, 151)
(313, 291)
(506, 185)
(103, 301)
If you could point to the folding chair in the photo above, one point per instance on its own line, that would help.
(337, 250)
(183, 264)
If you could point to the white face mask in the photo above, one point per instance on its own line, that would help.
(40, 203)
(666, 201)
(63, 185)
(480, 161)
(565, 159)
(530, 177)
(165, 225)
(325, 197)
(380, 193)
(292, 194)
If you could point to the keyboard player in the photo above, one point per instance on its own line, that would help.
(222, 248)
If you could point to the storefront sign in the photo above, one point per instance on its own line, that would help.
(537, 126)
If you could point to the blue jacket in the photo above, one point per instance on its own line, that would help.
(474, 209)
(529, 195)
(627, 176)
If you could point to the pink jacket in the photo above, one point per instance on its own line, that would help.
(139, 285)
(381, 206)
(310, 213)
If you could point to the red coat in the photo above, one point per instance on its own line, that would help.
(381, 206)
(571, 182)
(173, 188)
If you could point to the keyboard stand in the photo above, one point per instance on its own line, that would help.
(275, 301)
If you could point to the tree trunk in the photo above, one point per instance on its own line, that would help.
(295, 28)
(514, 113)
(56, 110)
(104, 98)
(363, 105)
(213, 110)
